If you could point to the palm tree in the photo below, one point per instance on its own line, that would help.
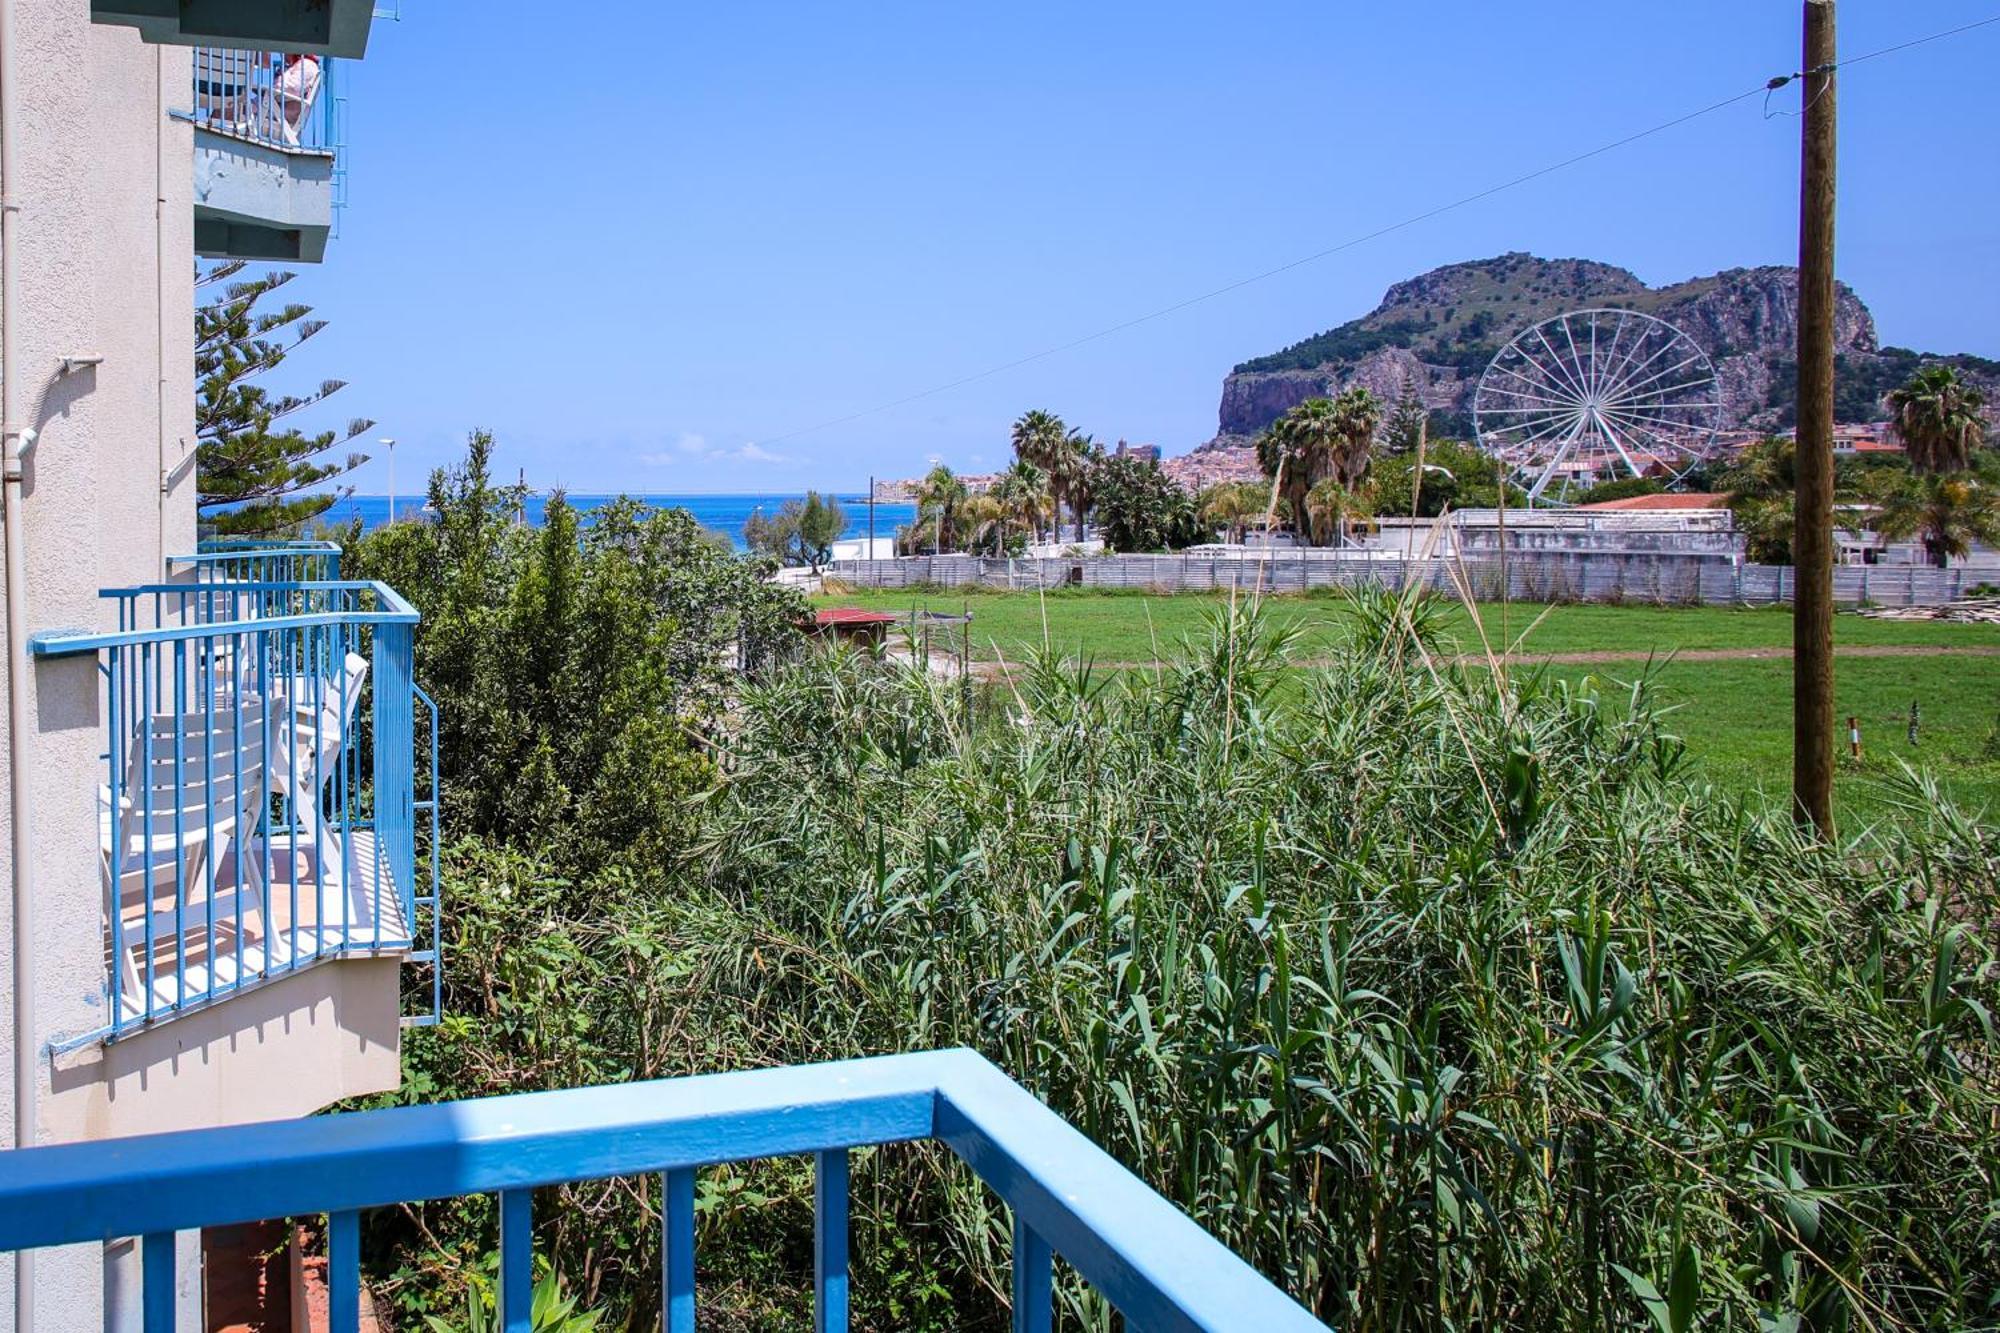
(1946, 513)
(1076, 463)
(1330, 503)
(1318, 439)
(1284, 452)
(1038, 439)
(1358, 414)
(985, 521)
(938, 501)
(1761, 486)
(1937, 416)
(1233, 505)
(1023, 490)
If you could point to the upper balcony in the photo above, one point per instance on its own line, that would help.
(313, 27)
(252, 560)
(267, 164)
(1067, 1197)
(258, 811)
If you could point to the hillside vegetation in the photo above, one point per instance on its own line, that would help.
(1434, 335)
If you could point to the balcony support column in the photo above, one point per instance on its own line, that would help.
(677, 1251)
(517, 1260)
(830, 1242)
(1033, 1270)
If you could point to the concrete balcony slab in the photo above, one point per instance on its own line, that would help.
(316, 27)
(256, 201)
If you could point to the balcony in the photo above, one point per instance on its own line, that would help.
(315, 27)
(267, 173)
(258, 812)
(1068, 1198)
(249, 560)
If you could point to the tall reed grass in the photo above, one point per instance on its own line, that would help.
(1452, 999)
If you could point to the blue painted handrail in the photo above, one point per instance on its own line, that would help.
(222, 546)
(1069, 1198)
(224, 703)
(210, 609)
(258, 561)
(431, 809)
(267, 97)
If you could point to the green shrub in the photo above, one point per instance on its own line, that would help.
(577, 666)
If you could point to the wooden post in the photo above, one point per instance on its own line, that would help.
(1417, 487)
(1854, 738)
(1506, 588)
(1812, 535)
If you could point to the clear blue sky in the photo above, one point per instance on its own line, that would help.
(644, 242)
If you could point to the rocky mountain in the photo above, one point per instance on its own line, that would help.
(1434, 335)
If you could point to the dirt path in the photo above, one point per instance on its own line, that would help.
(1747, 654)
(991, 669)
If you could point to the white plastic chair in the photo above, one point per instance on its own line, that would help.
(179, 836)
(313, 721)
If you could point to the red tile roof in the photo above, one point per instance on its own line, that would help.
(853, 615)
(1664, 500)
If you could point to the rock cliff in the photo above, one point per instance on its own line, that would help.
(1434, 334)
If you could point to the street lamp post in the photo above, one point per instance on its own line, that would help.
(389, 443)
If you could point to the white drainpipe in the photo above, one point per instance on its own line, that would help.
(14, 440)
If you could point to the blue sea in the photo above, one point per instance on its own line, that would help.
(725, 513)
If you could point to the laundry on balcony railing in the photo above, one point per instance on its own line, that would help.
(283, 99)
(258, 807)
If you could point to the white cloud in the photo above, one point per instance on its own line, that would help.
(691, 446)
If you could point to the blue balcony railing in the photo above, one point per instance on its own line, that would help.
(280, 100)
(250, 561)
(255, 817)
(1068, 1198)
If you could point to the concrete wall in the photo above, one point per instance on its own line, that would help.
(1542, 576)
(105, 269)
(281, 1050)
(99, 275)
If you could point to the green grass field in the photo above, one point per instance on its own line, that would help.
(1735, 713)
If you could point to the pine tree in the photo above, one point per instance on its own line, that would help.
(248, 469)
(1406, 422)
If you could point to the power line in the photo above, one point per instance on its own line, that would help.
(1919, 41)
(1765, 89)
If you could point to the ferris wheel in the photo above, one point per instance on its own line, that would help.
(1597, 395)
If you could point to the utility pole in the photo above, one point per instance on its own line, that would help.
(1812, 533)
(871, 517)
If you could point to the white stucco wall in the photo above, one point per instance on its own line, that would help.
(105, 265)
(95, 174)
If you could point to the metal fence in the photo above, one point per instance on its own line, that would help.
(1068, 1198)
(279, 99)
(1541, 577)
(255, 817)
